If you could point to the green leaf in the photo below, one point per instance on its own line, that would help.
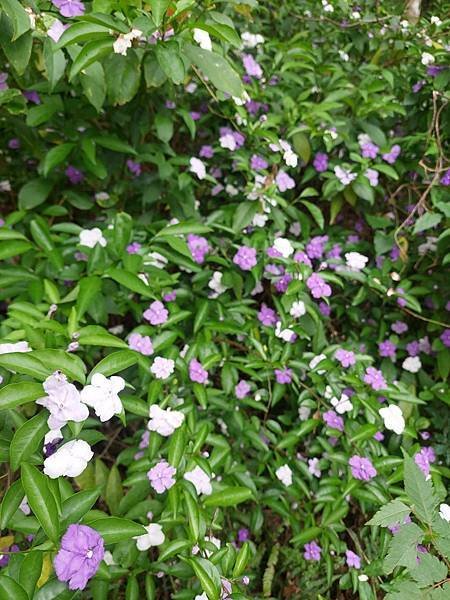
(27, 439)
(115, 529)
(123, 75)
(34, 193)
(111, 142)
(363, 190)
(405, 590)
(130, 281)
(403, 548)
(170, 61)
(193, 515)
(177, 446)
(76, 506)
(391, 513)
(24, 363)
(241, 560)
(41, 500)
(11, 589)
(420, 492)
(16, 394)
(114, 491)
(159, 8)
(429, 570)
(153, 74)
(89, 288)
(93, 82)
(10, 249)
(183, 229)
(302, 146)
(11, 502)
(164, 127)
(19, 17)
(208, 575)
(55, 157)
(172, 548)
(90, 53)
(316, 213)
(93, 335)
(216, 68)
(37, 115)
(16, 49)
(81, 32)
(243, 215)
(115, 362)
(230, 496)
(30, 571)
(427, 221)
(70, 364)
(55, 63)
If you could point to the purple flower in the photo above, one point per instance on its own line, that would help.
(372, 176)
(378, 436)
(387, 349)
(282, 284)
(445, 337)
(267, 316)
(156, 313)
(133, 248)
(345, 357)
(206, 152)
(362, 468)
(320, 162)
(198, 247)
(170, 296)
(258, 162)
(251, 67)
(312, 551)
(418, 86)
(399, 327)
(141, 343)
(14, 144)
(375, 379)
(391, 156)
(32, 96)
(318, 287)
(195, 115)
(283, 375)
(352, 559)
(333, 420)
(242, 389)
(245, 258)
(445, 179)
(316, 246)
(243, 535)
(69, 8)
(324, 309)
(161, 476)
(369, 150)
(82, 550)
(424, 459)
(413, 348)
(196, 372)
(302, 257)
(3, 84)
(434, 70)
(4, 558)
(284, 182)
(74, 175)
(134, 167)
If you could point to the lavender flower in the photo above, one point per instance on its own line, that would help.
(387, 349)
(267, 316)
(362, 468)
(141, 343)
(375, 379)
(424, 459)
(82, 550)
(312, 551)
(74, 175)
(352, 559)
(196, 372)
(252, 68)
(242, 389)
(69, 8)
(391, 156)
(283, 375)
(318, 287)
(333, 420)
(345, 357)
(156, 313)
(320, 162)
(161, 476)
(198, 247)
(245, 258)
(258, 162)
(284, 181)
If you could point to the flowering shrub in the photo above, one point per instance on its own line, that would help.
(224, 344)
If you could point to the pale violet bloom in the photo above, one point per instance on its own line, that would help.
(163, 421)
(202, 38)
(345, 176)
(304, 412)
(14, 347)
(154, 537)
(259, 220)
(63, 401)
(412, 364)
(298, 309)
(102, 395)
(56, 30)
(356, 261)
(283, 246)
(24, 506)
(444, 512)
(124, 41)
(69, 460)
(92, 237)
(162, 368)
(372, 176)
(284, 474)
(199, 480)
(392, 416)
(197, 167)
(313, 467)
(228, 142)
(342, 405)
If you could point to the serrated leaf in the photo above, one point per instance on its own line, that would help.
(429, 570)
(420, 492)
(391, 513)
(403, 548)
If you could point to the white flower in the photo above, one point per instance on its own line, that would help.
(427, 58)
(154, 537)
(56, 30)
(298, 309)
(63, 401)
(283, 246)
(412, 364)
(304, 412)
(52, 435)
(227, 141)
(163, 421)
(435, 21)
(345, 176)
(284, 474)
(197, 166)
(201, 597)
(200, 480)
(108, 558)
(313, 467)
(202, 38)
(231, 190)
(283, 334)
(259, 220)
(92, 237)
(24, 507)
(343, 56)
(123, 42)
(342, 405)
(315, 361)
(355, 260)
(14, 347)
(363, 577)
(216, 285)
(155, 259)
(242, 100)
(162, 368)
(69, 460)
(251, 40)
(102, 395)
(393, 418)
(444, 512)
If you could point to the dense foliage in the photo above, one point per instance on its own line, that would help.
(225, 332)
